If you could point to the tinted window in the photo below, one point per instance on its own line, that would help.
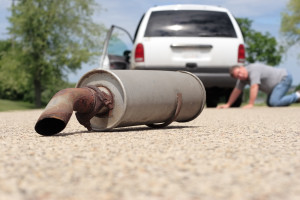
(119, 42)
(189, 24)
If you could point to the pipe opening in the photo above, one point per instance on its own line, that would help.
(49, 126)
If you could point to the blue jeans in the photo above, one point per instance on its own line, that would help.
(278, 97)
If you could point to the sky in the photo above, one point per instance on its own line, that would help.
(265, 14)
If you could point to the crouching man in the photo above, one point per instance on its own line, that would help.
(275, 82)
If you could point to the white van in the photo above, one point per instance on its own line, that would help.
(205, 40)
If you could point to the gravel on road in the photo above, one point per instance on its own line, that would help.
(223, 154)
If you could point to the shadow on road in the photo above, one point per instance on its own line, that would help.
(125, 129)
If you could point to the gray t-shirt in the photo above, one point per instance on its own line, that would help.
(265, 76)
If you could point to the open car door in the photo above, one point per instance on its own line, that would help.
(117, 49)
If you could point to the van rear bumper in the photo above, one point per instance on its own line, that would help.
(210, 76)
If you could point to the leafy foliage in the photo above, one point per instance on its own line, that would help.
(13, 81)
(290, 22)
(260, 47)
(51, 38)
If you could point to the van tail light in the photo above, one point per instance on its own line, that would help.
(241, 54)
(139, 53)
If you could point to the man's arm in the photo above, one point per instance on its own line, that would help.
(233, 96)
(253, 94)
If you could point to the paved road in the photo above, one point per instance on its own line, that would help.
(223, 154)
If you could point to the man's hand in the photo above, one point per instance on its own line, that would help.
(223, 106)
(233, 96)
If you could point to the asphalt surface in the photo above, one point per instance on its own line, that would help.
(223, 154)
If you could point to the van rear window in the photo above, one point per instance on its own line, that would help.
(189, 23)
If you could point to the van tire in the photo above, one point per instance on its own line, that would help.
(215, 95)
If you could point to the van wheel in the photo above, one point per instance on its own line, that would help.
(212, 99)
(211, 104)
(218, 95)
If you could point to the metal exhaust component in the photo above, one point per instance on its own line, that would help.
(87, 101)
(108, 99)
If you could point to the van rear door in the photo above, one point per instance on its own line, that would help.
(189, 38)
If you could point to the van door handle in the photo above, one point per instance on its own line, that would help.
(196, 46)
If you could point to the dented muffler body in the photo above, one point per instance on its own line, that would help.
(108, 99)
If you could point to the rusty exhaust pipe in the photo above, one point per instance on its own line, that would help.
(87, 101)
(107, 99)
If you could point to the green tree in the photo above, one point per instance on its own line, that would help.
(54, 37)
(12, 85)
(290, 22)
(5, 45)
(259, 47)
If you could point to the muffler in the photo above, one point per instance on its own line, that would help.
(105, 99)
